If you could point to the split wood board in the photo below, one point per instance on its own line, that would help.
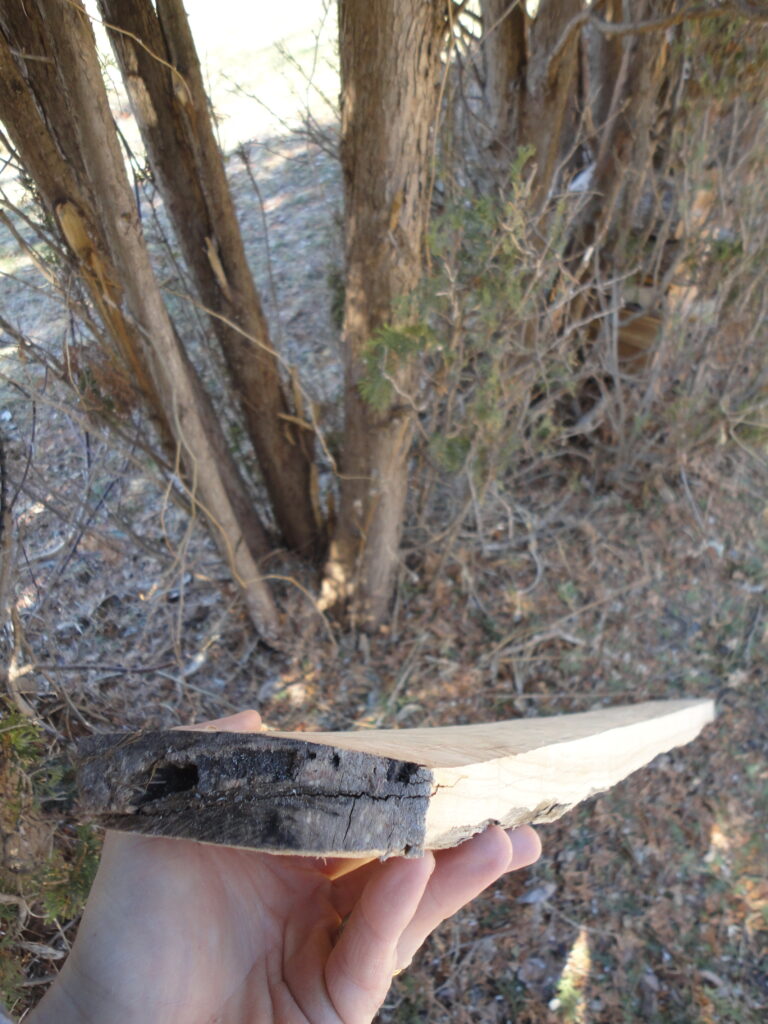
(371, 793)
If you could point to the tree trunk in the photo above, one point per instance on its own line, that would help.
(602, 63)
(505, 66)
(71, 89)
(54, 173)
(170, 104)
(390, 56)
(550, 105)
(596, 90)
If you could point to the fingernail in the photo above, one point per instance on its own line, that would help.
(526, 847)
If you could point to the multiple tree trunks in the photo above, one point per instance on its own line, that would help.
(578, 84)
(161, 70)
(69, 145)
(594, 99)
(371, 793)
(43, 131)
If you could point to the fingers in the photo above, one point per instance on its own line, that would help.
(398, 903)
(243, 721)
(348, 887)
(461, 874)
(523, 847)
(362, 963)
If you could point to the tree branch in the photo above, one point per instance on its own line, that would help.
(742, 7)
(745, 8)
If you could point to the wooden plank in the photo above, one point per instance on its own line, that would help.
(371, 793)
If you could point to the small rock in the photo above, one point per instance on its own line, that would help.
(538, 895)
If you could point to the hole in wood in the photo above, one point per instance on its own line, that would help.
(168, 779)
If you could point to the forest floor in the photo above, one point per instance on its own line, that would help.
(558, 593)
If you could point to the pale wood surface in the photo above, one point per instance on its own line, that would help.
(450, 746)
(377, 792)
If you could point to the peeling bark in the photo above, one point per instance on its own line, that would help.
(58, 175)
(389, 63)
(60, 33)
(165, 84)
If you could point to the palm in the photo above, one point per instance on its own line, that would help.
(241, 935)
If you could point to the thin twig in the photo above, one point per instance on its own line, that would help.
(243, 154)
(624, 28)
(524, 640)
(50, 666)
(137, 40)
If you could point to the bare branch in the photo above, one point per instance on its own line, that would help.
(623, 28)
(686, 14)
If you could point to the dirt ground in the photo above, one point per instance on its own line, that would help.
(558, 594)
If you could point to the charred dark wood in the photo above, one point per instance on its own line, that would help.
(253, 790)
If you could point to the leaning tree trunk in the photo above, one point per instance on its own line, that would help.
(390, 56)
(161, 70)
(55, 167)
(72, 103)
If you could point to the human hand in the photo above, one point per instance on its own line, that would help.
(179, 932)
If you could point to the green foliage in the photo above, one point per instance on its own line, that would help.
(449, 453)
(67, 879)
(387, 353)
(496, 363)
(728, 58)
(21, 738)
(474, 328)
(727, 251)
(55, 875)
(11, 974)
